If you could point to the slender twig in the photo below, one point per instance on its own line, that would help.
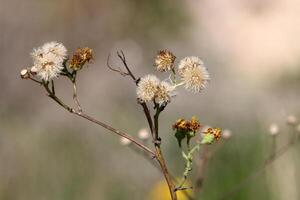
(122, 134)
(39, 82)
(129, 73)
(155, 164)
(148, 116)
(273, 157)
(160, 157)
(75, 98)
(123, 59)
(114, 69)
(91, 119)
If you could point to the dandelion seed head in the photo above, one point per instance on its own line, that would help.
(164, 61)
(58, 49)
(189, 62)
(147, 88)
(48, 60)
(193, 73)
(164, 92)
(195, 78)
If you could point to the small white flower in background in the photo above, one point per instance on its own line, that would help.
(226, 134)
(164, 92)
(291, 120)
(274, 129)
(147, 88)
(143, 134)
(193, 73)
(124, 141)
(48, 60)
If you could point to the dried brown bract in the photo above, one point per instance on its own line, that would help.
(80, 57)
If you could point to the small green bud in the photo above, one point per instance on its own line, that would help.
(208, 139)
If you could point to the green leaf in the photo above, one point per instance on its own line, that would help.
(207, 139)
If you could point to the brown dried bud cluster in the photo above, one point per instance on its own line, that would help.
(80, 57)
(187, 126)
(216, 132)
(164, 61)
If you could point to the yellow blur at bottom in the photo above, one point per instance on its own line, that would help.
(160, 191)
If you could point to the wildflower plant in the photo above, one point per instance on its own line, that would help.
(51, 61)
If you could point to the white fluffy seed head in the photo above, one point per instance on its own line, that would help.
(194, 74)
(143, 134)
(189, 62)
(57, 49)
(274, 129)
(48, 60)
(164, 92)
(147, 88)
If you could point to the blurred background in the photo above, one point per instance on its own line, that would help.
(250, 47)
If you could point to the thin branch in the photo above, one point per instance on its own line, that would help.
(52, 86)
(114, 69)
(122, 134)
(121, 55)
(150, 159)
(75, 97)
(148, 116)
(91, 119)
(39, 82)
(160, 157)
(257, 172)
(146, 110)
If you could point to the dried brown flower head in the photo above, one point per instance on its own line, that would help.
(187, 126)
(80, 57)
(216, 132)
(164, 61)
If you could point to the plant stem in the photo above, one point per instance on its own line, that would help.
(160, 157)
(91, 119)
(162, 163)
